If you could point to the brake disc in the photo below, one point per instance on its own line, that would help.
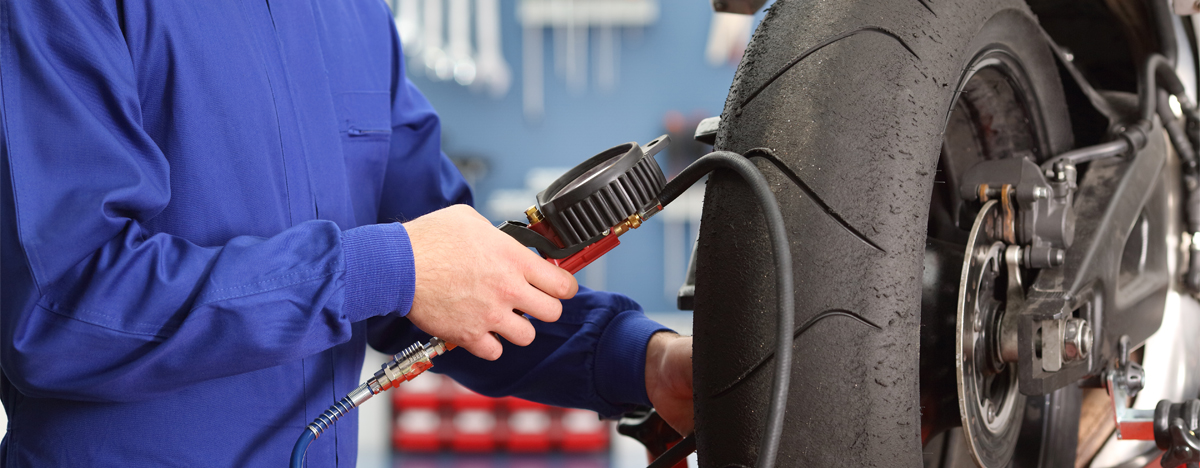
(988, 398)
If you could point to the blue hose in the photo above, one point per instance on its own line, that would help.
(301, 447)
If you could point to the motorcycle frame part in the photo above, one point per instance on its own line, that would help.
(1112, 196)
(685, 299)
(706, 132)
(979, 316)
(741, 7)
(649, 428)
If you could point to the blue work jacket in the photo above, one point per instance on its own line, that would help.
(192, 267)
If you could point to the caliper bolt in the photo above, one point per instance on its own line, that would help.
(1077, 339)
(1040, 193)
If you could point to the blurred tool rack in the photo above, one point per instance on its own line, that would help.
(434, 413)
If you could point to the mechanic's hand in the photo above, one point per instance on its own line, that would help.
(669, 379)
(471, 277)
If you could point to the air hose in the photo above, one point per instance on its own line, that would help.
(416, 359)
(784, 286)
(404, 366)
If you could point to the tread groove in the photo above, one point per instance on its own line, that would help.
(817, 47)
(768, 155)
(925, 3)
(799, 331)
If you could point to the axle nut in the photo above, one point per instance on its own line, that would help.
(1077, 339)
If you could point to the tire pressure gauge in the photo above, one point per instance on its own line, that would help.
(579, 217)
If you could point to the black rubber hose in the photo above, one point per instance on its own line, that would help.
(1178, 135)
(1157, 71)
(1157, 68)
(1161, 14)
(769, 445)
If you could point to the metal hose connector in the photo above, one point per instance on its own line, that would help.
(352, 400)
(408, 364)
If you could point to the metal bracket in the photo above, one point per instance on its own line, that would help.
(1123, 383)
(706, 130)
(1172, 426)
(1111, 198)
(743, 7)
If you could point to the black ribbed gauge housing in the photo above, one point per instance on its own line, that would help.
(603, 191)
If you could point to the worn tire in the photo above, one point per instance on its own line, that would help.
(858, 125)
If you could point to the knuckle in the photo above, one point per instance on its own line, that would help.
(510, 293)
(494, 318)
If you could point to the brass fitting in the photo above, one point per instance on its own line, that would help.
(634, 221)
(533, 215)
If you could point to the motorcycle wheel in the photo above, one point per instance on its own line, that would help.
(862, 114)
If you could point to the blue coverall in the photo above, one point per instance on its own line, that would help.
(191, 265)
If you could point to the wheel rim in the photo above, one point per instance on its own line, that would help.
(992, 117)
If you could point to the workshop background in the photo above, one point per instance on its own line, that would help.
(527, 89)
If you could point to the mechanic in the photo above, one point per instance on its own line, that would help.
(192, 267)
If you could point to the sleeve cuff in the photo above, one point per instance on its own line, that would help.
(380, 273)
(621, 359)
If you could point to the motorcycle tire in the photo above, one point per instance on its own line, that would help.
(845, 103)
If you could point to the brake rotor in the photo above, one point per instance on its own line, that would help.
(988, 398)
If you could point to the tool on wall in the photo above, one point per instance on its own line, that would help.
(728, 36)
(571, 22)
(426, 25)
(437, 65)
(459, 44)
(436, 37)
(408, 24)
(494, 74)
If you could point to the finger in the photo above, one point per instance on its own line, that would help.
(551, 279)
(516, 329)
(484, 347)
(539, 305)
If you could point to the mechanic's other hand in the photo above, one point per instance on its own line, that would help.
(471, 277)
(669, 379)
